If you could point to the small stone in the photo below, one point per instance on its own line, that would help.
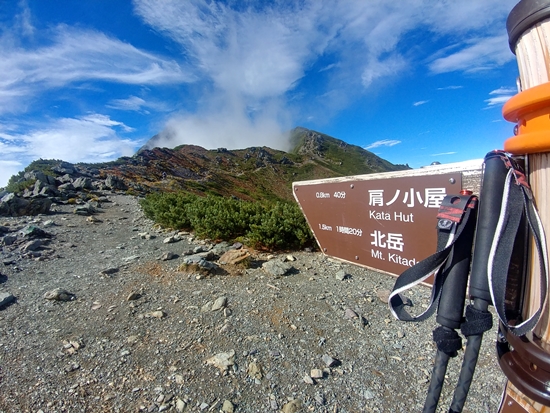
(254, 371)
(277, 268)
(222, 361)
(341, 275)
(206, 307)
(32, 245)
(308, 380)
(171, 239)
(290, 257)
(350, 314)
(132, 339)
(319, 399)
(59, 294)
(204, 406)
(5, 299)
(368, 394)
(292, 407)
(316, 374)
(167, 256)
(180, 405)
(220, 303)
(329, 361)
(383, 295)
(158, 314)
(72, 367)
(228, 407)
(133, 296)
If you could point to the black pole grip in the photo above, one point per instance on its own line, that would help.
(450, 312)
(490, 202)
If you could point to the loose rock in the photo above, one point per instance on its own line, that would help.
(59, 294)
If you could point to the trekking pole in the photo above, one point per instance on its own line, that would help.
(451, 307)
(449, 266)
(478, 318)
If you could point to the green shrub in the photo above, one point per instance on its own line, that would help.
(222, 218)
(16, 187)
(273, 225)
(282, 226)
(168, 209)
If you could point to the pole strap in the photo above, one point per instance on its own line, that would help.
(517, 201)
(453, 215)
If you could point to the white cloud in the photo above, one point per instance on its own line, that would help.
(384, 142)
(7, 169)
(92, 138)
(131, 103)
(329, 67)
(477, 55)
(24, 20)
(450, 88)
(420, 102)
(390, 66)
(500, 96)
(260, 52)
(76, 55)
(229, 127)
(504, 91)
(497, 101)
(137, 104)
(443, 154)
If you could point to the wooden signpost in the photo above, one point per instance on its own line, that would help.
(382, 221)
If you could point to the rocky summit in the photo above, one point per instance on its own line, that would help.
(250, 174)
(103, 311)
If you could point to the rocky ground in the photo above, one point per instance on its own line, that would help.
(99, 313)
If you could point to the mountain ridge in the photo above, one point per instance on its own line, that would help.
(254, 173)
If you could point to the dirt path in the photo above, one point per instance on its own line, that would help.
(142, 336)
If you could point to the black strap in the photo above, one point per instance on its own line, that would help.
(517, 202)
(454, 213)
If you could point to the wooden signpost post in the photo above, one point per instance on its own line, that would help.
(529, 35)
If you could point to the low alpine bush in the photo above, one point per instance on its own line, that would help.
(272, 225)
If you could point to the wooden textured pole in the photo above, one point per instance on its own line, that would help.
(529, 35)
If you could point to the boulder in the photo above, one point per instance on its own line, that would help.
(277, 267)
(233, 257)
(114, 182)
(43, 188)
(83, 183)
(12, 205)
(85, 209)
(64, 168)
(40, 176)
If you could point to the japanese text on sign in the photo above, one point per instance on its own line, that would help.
(431, 198)
(390, 241)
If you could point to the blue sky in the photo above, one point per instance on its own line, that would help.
(414, 81)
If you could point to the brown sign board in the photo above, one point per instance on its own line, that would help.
(383, 221)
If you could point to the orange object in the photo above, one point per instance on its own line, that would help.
(530, 109)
